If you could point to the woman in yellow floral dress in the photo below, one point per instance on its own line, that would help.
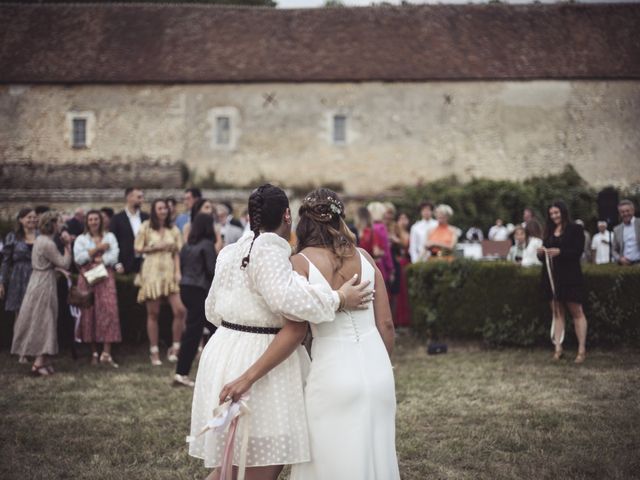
(160, 243)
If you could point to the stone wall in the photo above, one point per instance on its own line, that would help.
(396, 133)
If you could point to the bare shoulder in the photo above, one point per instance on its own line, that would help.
(367, 256)
(300, 264)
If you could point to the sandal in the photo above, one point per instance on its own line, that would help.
(557, 355)
(106, 358)
(155, 356)
(173, 352)
(581, 357)
(41, 370)
(94, 358)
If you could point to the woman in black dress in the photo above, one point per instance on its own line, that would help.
(563, 244)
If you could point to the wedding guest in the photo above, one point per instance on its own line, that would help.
(499, 232)
(563, 245)
(586, 253)
(231, 219)
(442, 240)
(75, 225)
(107, 214)
(172, 206)
(601, 244)
(626, 243)
(527, 216)
(16, 260)
(197, 264)
(474, 234)
(66, 319)
(99, 323)
(125, 225)
(364, 225)
(160, 242)
(202, 205)
(381, 244)
(230, 233)
(40, 209)
(400, 237)
(520, 243)
(189, 198)
(533, 232)
(15, 268)
(35, 328)
(389, 220)
(420, 230)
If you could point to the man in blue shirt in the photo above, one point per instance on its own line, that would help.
(190, 197)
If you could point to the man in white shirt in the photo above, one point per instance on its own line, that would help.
(125, 225)
(420, 230)
(627, 235)
(499, 232)
(601, 244)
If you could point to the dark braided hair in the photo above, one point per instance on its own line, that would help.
(267, 205)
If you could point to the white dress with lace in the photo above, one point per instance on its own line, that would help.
(260, 296)
(350, 398)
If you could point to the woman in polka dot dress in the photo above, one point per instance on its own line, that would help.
(254, 288)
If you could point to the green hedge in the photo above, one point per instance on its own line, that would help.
(502, 303)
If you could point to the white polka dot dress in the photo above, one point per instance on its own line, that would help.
(260, 295)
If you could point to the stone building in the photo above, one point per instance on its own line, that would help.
(369, 98)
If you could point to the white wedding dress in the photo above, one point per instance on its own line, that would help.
(349, 398)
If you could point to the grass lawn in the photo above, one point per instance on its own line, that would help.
(469, 414)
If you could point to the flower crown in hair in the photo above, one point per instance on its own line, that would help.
(323, 209)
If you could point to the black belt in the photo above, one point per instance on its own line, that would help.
(250, 329)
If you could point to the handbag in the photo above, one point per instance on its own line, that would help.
(79, 298)
(96, 274)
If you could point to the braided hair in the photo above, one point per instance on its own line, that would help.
(267, 205)
(322, 224)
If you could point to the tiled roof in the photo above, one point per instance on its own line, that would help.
(167, 43)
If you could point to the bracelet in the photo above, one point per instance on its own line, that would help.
(343, 301)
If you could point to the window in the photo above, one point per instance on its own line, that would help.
(223, 130)
(79, 133)
(80, 126)
(339, 129)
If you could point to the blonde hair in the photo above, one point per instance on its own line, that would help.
(377, 211)
(390, 206)
(47, 222)
(444, 209)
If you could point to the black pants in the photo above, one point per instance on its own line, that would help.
(193, 299)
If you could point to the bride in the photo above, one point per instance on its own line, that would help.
(254, 288)
(349, 394)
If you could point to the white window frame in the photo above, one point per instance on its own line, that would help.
(89, 119)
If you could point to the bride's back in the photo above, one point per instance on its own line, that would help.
(329, 265)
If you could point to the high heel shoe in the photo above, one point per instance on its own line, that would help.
(108, 359)
(155, 356)
(557, 355)
(581, 357)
